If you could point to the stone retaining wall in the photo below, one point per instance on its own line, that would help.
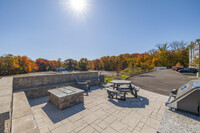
(25, 82)
(43, 90)
(5, 104)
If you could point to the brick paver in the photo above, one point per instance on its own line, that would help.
(100, 114)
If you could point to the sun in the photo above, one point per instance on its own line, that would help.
(78, 6)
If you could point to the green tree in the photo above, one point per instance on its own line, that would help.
(83, 64)
(70, 64)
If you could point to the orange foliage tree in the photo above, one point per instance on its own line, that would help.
(10, 64)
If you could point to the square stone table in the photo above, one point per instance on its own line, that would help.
(65, 97)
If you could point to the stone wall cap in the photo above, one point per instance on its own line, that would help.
(26, 76)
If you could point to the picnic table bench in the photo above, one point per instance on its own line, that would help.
(115, 93)
(121, 88)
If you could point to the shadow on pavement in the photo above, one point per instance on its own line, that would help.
(56, 115)
(93, 88)
(38, 101)
(131, 102)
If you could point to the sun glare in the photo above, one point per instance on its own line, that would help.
(78, 5)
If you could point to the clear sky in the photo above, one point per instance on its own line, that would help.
(52, 28)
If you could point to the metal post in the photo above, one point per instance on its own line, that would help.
(199, 59)
(198, 73)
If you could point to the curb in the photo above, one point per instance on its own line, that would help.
(132, 75)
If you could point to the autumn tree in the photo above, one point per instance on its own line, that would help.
(53, 65)
(10, 64)
(25, 64)
(178, 65)
(195, 62)
(59, 63)
(95, 64)
(43, 64)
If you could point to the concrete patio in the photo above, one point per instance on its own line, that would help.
(99, 114)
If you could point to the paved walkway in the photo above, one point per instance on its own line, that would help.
(160, 81)
(5, 103)
(99, 114)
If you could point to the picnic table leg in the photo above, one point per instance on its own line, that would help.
(88, 87)
(131, 89)
(132, 92)
(135, 94)
(114, 86)
(109, 94)
(125, 96)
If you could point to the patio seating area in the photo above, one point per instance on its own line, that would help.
(98, 113)
(51, 104)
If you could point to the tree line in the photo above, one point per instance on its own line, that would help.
(10, 64)
(167, 54)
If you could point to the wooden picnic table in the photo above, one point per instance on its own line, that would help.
(129, 88)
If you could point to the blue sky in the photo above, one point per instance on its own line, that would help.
(51, 29)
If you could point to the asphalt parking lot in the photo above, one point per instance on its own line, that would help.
(161, 81)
